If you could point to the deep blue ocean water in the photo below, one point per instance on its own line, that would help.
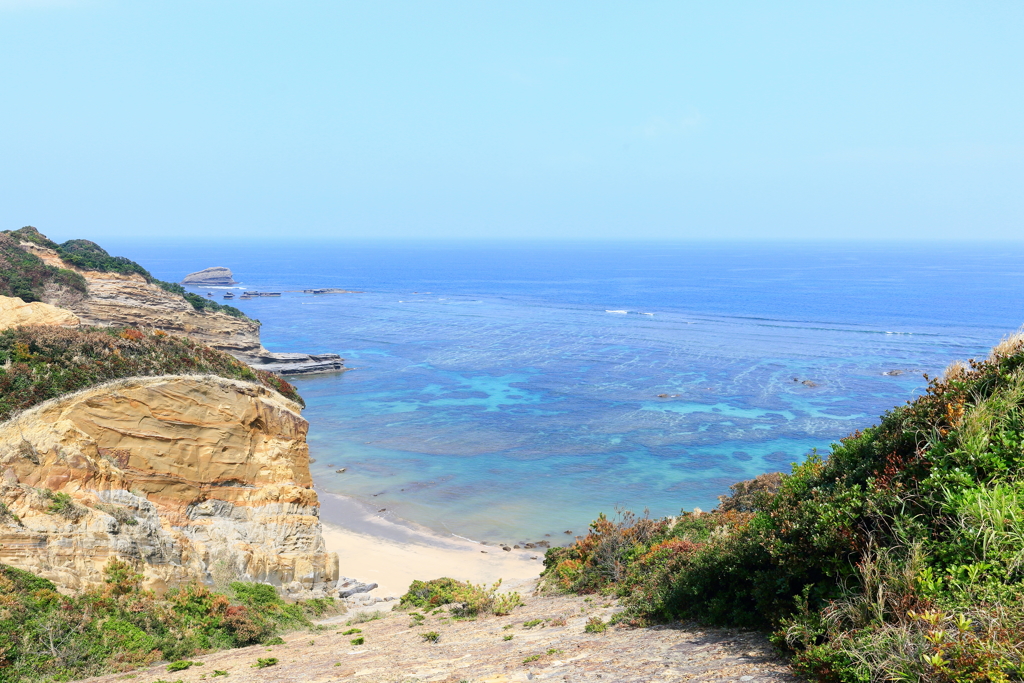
(508, 391)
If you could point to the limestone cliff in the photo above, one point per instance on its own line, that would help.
(190, 476)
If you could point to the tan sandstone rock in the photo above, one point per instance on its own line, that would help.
(193, 477)
(15, 312)
(115, 299)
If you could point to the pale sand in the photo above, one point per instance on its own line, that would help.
(393, 554)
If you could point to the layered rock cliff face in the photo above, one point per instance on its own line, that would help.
(192, 477)
(115, 299)
(129, 300)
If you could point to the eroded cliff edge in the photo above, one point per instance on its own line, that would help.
(191, 477)
(132, 298)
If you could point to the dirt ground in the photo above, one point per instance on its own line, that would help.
(492, 649)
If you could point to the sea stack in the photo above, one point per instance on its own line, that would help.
(216, 276)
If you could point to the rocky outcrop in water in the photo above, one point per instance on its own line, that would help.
(216, 276)
(295, 363)
(191, 477)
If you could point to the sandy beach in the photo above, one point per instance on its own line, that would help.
(393, 553)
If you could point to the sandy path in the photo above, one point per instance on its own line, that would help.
(544, 640)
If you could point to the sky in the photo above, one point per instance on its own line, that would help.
(217, 120)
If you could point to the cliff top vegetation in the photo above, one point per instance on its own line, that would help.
(38, 363)
(26, 273)
(899, 556)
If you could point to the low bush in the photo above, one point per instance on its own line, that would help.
(38, 363)
(464, 599)
(504, 603)
(45, 635)
(899, 556)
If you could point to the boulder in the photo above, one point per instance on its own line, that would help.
(15, 312)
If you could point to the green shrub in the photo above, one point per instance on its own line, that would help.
(61, 504)
(88, 255)
(6, 515)
(431, 636)
(504, 603)
(358, 640)
(181, 665)
(465, 599)
(595, 625)
(264, 662)
(31, 234)
(45, 635)
(256, 594)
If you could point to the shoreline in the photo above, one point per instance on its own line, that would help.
(393, 554)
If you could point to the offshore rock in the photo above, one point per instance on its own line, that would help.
(295, 363)
(191, 477)
(15, 312)
(216, 276)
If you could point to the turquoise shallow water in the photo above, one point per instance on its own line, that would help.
(506, 392)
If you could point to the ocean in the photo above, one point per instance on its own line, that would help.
(511, 392)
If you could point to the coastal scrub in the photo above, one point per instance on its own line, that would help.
(464, 599)
(899, 556)
(47, 635)
(25, 276)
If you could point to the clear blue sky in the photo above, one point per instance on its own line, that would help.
(488, 119)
